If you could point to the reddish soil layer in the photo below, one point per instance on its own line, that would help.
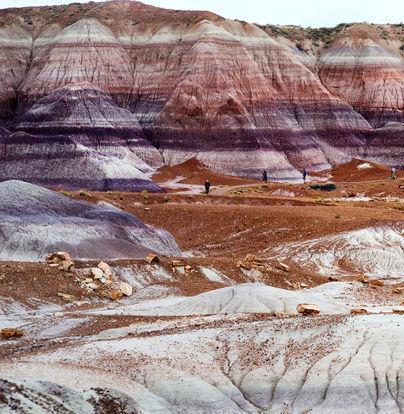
(235, 225)
(24, 281)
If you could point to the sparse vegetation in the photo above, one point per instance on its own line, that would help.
(319, 35)
(323, 187)
(84, 193)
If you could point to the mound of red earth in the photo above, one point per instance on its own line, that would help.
(360, 170)
(238, 97)
(193, 171)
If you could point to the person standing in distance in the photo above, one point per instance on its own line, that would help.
(393, 173)
(304, 174)
(207, 186)
(264, 177)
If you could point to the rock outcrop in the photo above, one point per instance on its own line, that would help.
(35, 221)
(76, 137)
(122, 88)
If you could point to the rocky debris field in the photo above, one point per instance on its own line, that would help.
(270, 300)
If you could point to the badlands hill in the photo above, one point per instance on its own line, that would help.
(35, 221)
(119, 89)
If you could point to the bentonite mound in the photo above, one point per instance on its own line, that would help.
(375, 251)
(76, 137)
(257, 298)
(323, 365)
(35, 221)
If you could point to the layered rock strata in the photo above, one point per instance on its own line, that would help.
(176, 85)
(35, 221)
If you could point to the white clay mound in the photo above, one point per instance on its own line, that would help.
(374, 251)
(257, 298)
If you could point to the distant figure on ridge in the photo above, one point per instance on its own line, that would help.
(265, 177)
(393, 173)
(207, 186)
(304, 175)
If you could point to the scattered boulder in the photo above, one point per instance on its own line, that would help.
(251, 262)
(115, 295)
(177, 263)
(281, 314)
(376, 282)
(61, 259)
(359, 311)
(363, 279)
(126, 289)
(8, 333)
(66, 297)
(282, 266)
(187, 267)
(399, 290)
(105, 268)
(58, 257)
(332, 279)
(97, 273)
(399, 311)
(152, 258)
(67, 266)
(307, 309)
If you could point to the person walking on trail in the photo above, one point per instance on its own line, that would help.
(207, 186)
(265, 177)
(393, 173)
(304, 175)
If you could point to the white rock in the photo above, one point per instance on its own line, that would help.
(126, 288)
(97, 273)
(105, 268)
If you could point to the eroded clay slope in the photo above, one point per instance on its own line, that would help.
(35, 221)
(320, 365)
(235, 96)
